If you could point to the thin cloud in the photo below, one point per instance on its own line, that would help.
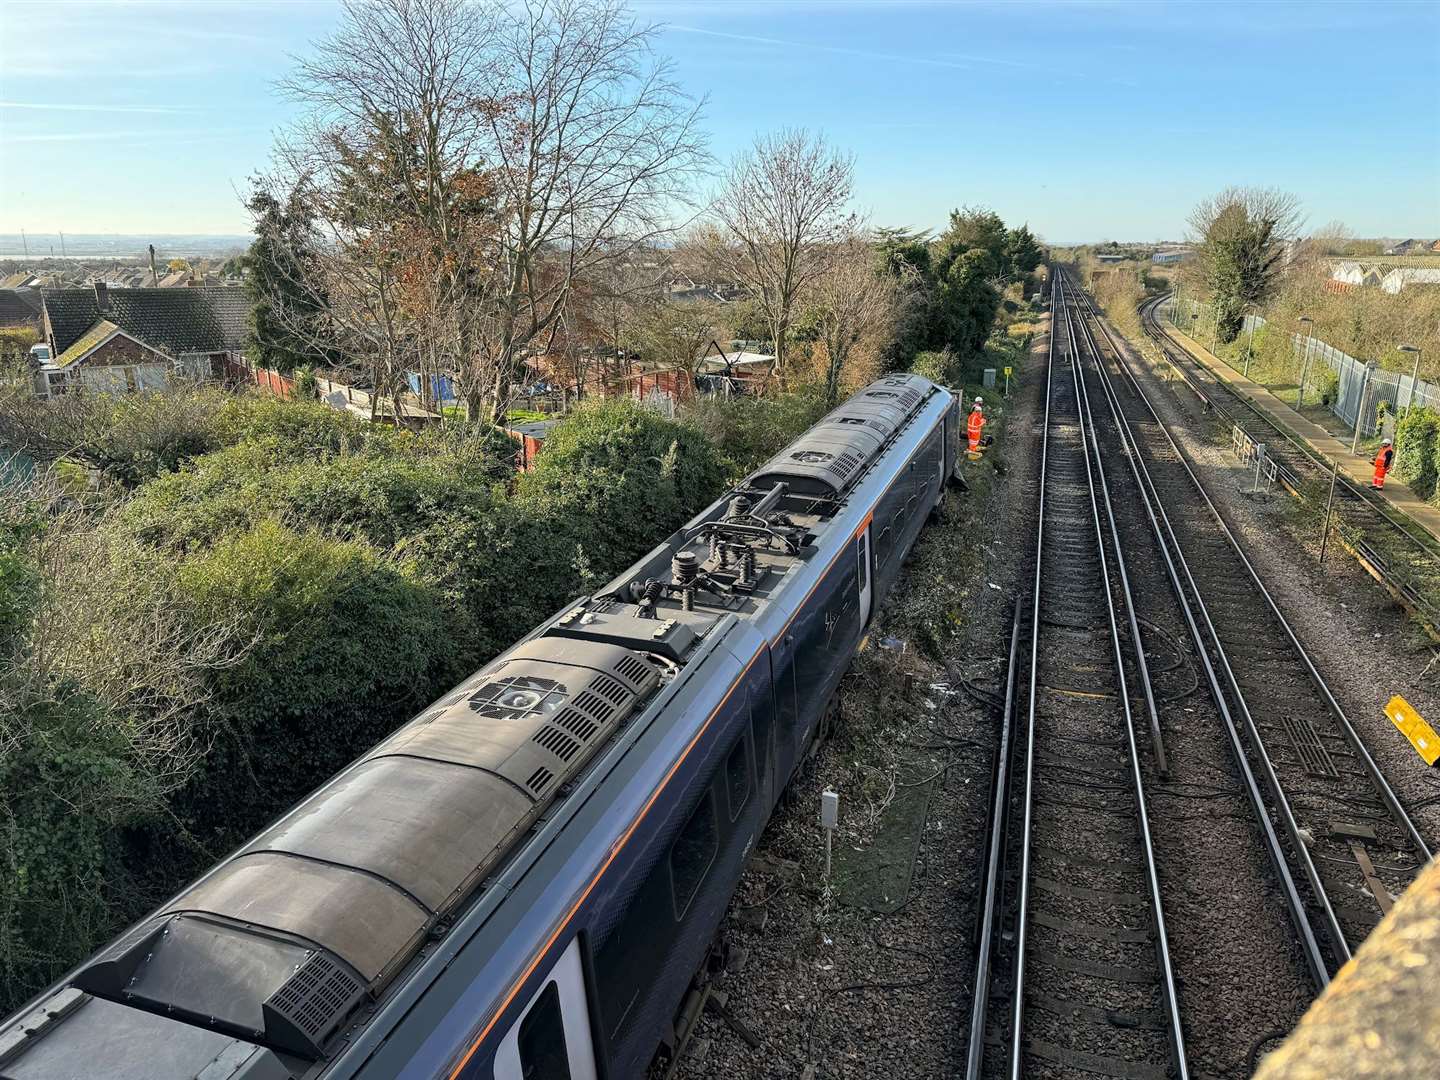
(65, 107)
(954, 61)
(167, 137)
(865, 53)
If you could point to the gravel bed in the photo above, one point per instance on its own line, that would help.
(1241, 978)
(1364, 644)
(834, 991)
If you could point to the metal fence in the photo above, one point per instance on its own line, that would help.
(1362, 386)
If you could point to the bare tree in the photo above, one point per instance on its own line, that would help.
(470, 162)
(596, 150)
(781, 211)
(676, 334)
(856, 309)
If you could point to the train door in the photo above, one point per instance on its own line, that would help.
(862, 563)
(552, 1041)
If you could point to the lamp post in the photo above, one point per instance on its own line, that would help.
(1249, 342)
(1410, 401)
(1414, 375)
(1306, 322)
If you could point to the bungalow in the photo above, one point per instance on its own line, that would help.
(137, 339)
(1172, 256)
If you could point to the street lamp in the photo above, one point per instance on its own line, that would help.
(1306, 322)
(1414, 375)
(1249, 320)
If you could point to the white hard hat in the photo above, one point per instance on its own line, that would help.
(1386, 442)
(978, 399)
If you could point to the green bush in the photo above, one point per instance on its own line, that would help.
(1329, 387)
(1417, 441)
(748, 431)
(615, 478)
(345, 646)
(68, 783)
(328, 578)
(939, 367)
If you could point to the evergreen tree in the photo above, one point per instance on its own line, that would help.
(287, 319)
(1021, 251)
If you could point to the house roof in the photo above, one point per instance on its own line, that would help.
(92, 339)
(205, 319)
(18, 306)
(19, 280)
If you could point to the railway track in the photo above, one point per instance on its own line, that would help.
(1346, 845)
(1074, 974)
(1402, 556)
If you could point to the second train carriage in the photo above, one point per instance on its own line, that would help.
(521, 882)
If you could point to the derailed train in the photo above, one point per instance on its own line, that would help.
(522, 881)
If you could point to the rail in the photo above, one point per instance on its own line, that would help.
(1069, 715)
(1386, 543)
(1319, 775)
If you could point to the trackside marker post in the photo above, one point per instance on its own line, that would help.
(1413, 726)
(829, 821)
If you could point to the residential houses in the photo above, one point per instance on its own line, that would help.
(1412, 247)
(1171, 256)
(139, 339)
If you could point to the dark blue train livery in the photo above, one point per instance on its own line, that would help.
(521, 882)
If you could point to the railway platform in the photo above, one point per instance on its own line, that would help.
(1357, 468)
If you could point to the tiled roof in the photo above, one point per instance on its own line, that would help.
(206, 319)
(17, 306)
(97, 335)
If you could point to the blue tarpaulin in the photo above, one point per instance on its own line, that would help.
(442, 389)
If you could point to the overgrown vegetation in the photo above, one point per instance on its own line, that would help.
(181, 662)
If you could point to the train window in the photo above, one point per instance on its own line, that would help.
(543, 1055)
(862, 561)
(692, 853)
(737, 777)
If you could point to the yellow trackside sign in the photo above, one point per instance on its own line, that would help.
(1413, 726)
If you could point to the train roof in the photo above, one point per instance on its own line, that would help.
(264, 961)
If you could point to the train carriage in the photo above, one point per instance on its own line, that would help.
(522, 881)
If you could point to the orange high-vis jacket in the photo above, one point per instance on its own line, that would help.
(1383, 459)
(977, 421)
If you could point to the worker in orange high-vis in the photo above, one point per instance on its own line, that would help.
(1383, 460)
(976, 424)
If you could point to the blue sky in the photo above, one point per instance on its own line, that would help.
(1089, 120)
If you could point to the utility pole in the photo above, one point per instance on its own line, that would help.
(62, 243)
(25, 243)
(1249, 342)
